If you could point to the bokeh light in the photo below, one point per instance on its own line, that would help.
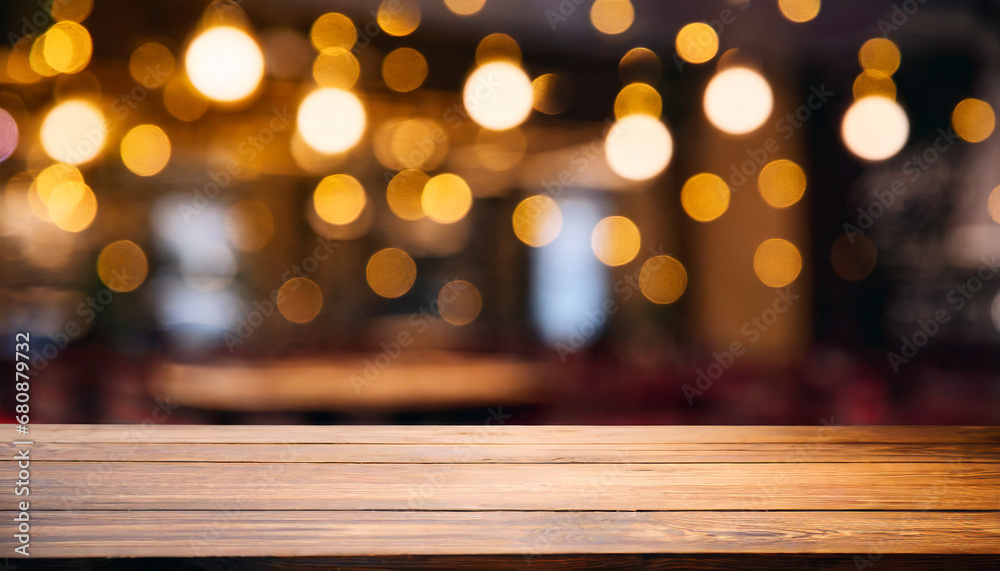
(870, 83)
(145, 150)
(73, 132)
(404, 69)
(777, 262)
(446, 198)
(122, 266)
(799, 11)
(705, 197)
(638, 98)
(331, 120)
(398, 17)
(875, 128)
(465, 7)
(781, 183)
(182, 100)
(224, 63)
(500, 150)
(638, 147)
(615, 240)
(19, 66)
(333, 30)
(498, 47)
(339, 199)
(498, 95)
(879, 55)
(537, 220)
(640, 65)
(973, 120)
(9, 135)
(83, 85)
(553, 93)
(391, 272)
(993, 205)
(68, 47)
(337, 68)
(404, 192)
(300, 300)
(612, 16)
(459, 302)
(36, 58)
(151, 65)
(54, 175)
(662, 279)
(71, 10)
(853, 257)
(249, 225)
(697, 43)
(72, 206)
(417, 143)
(738, 100)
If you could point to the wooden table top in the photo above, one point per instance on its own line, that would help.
(307, 491)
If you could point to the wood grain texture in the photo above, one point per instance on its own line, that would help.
(323, 533)
(515, 491)
(508, 434)
(852, 452)
(276, 485)
(568, 562)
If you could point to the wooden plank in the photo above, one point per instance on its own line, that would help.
(277, 485)
(574, 562)
(506, 434)
(319, 533)
(510, 453)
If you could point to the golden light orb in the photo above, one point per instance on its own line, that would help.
(122, 266)
(705, 197)
(662, 279)
(612, 17)
(638, 147)
(697, 43)
(145, 150)
(537, 220)
(331, 120)
(777, 262)
(781, 183)
(875, 128)
(404, 69)
(615, 240)
(498, 95)
(446, 198)
(459, 302)
(738, 100)
(224, 63)
(391, 272)
(973, 120)
(339, 199)
(300, 300)
(73, 132)
(404, 192)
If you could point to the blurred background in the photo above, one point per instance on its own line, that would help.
(517, 211)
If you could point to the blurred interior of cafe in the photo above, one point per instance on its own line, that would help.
(502, 211)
